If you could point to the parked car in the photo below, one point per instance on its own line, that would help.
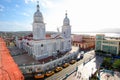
(80, 56)
(58, 69)
(49, 73)
(72, 61)
(66, 65)
(39, 76)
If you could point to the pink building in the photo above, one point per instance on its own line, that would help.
(85, 42)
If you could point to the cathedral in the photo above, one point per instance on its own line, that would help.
(39, 45)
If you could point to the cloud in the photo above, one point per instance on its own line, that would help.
(47, 3)
(1, 8)
(25, 14)
(28, 1)
(14, 26)
(17, 6)
(84, 15)
(44, 3)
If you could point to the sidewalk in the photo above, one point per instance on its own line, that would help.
(85, 71)
(108, 76)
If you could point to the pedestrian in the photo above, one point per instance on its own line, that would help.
(79, 73)
(75, 73)
(79, 77)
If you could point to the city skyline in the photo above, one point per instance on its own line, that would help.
(85, 16)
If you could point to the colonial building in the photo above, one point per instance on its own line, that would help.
(40, 46)
(107, 44)
(84, 42)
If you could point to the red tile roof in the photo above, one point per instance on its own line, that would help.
(8, 68)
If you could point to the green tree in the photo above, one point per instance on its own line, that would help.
(119, 54)
(107, 63)
(116, 64)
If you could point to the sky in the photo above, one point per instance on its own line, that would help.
(84, 15)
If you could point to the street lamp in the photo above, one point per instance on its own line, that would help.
(76, 67)
(67, 75)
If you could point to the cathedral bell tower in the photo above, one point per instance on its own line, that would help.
(66, 33)
(38, 25)
(66, 28)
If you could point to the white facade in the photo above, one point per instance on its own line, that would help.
(38, 31)
(40, 47)
(66, 28)
(38, 25)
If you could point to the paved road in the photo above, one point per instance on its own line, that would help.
(69, 69)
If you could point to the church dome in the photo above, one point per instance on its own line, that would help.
(37, 14)
(38, 18)
(66, 20)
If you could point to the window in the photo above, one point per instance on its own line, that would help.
(41, 45)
